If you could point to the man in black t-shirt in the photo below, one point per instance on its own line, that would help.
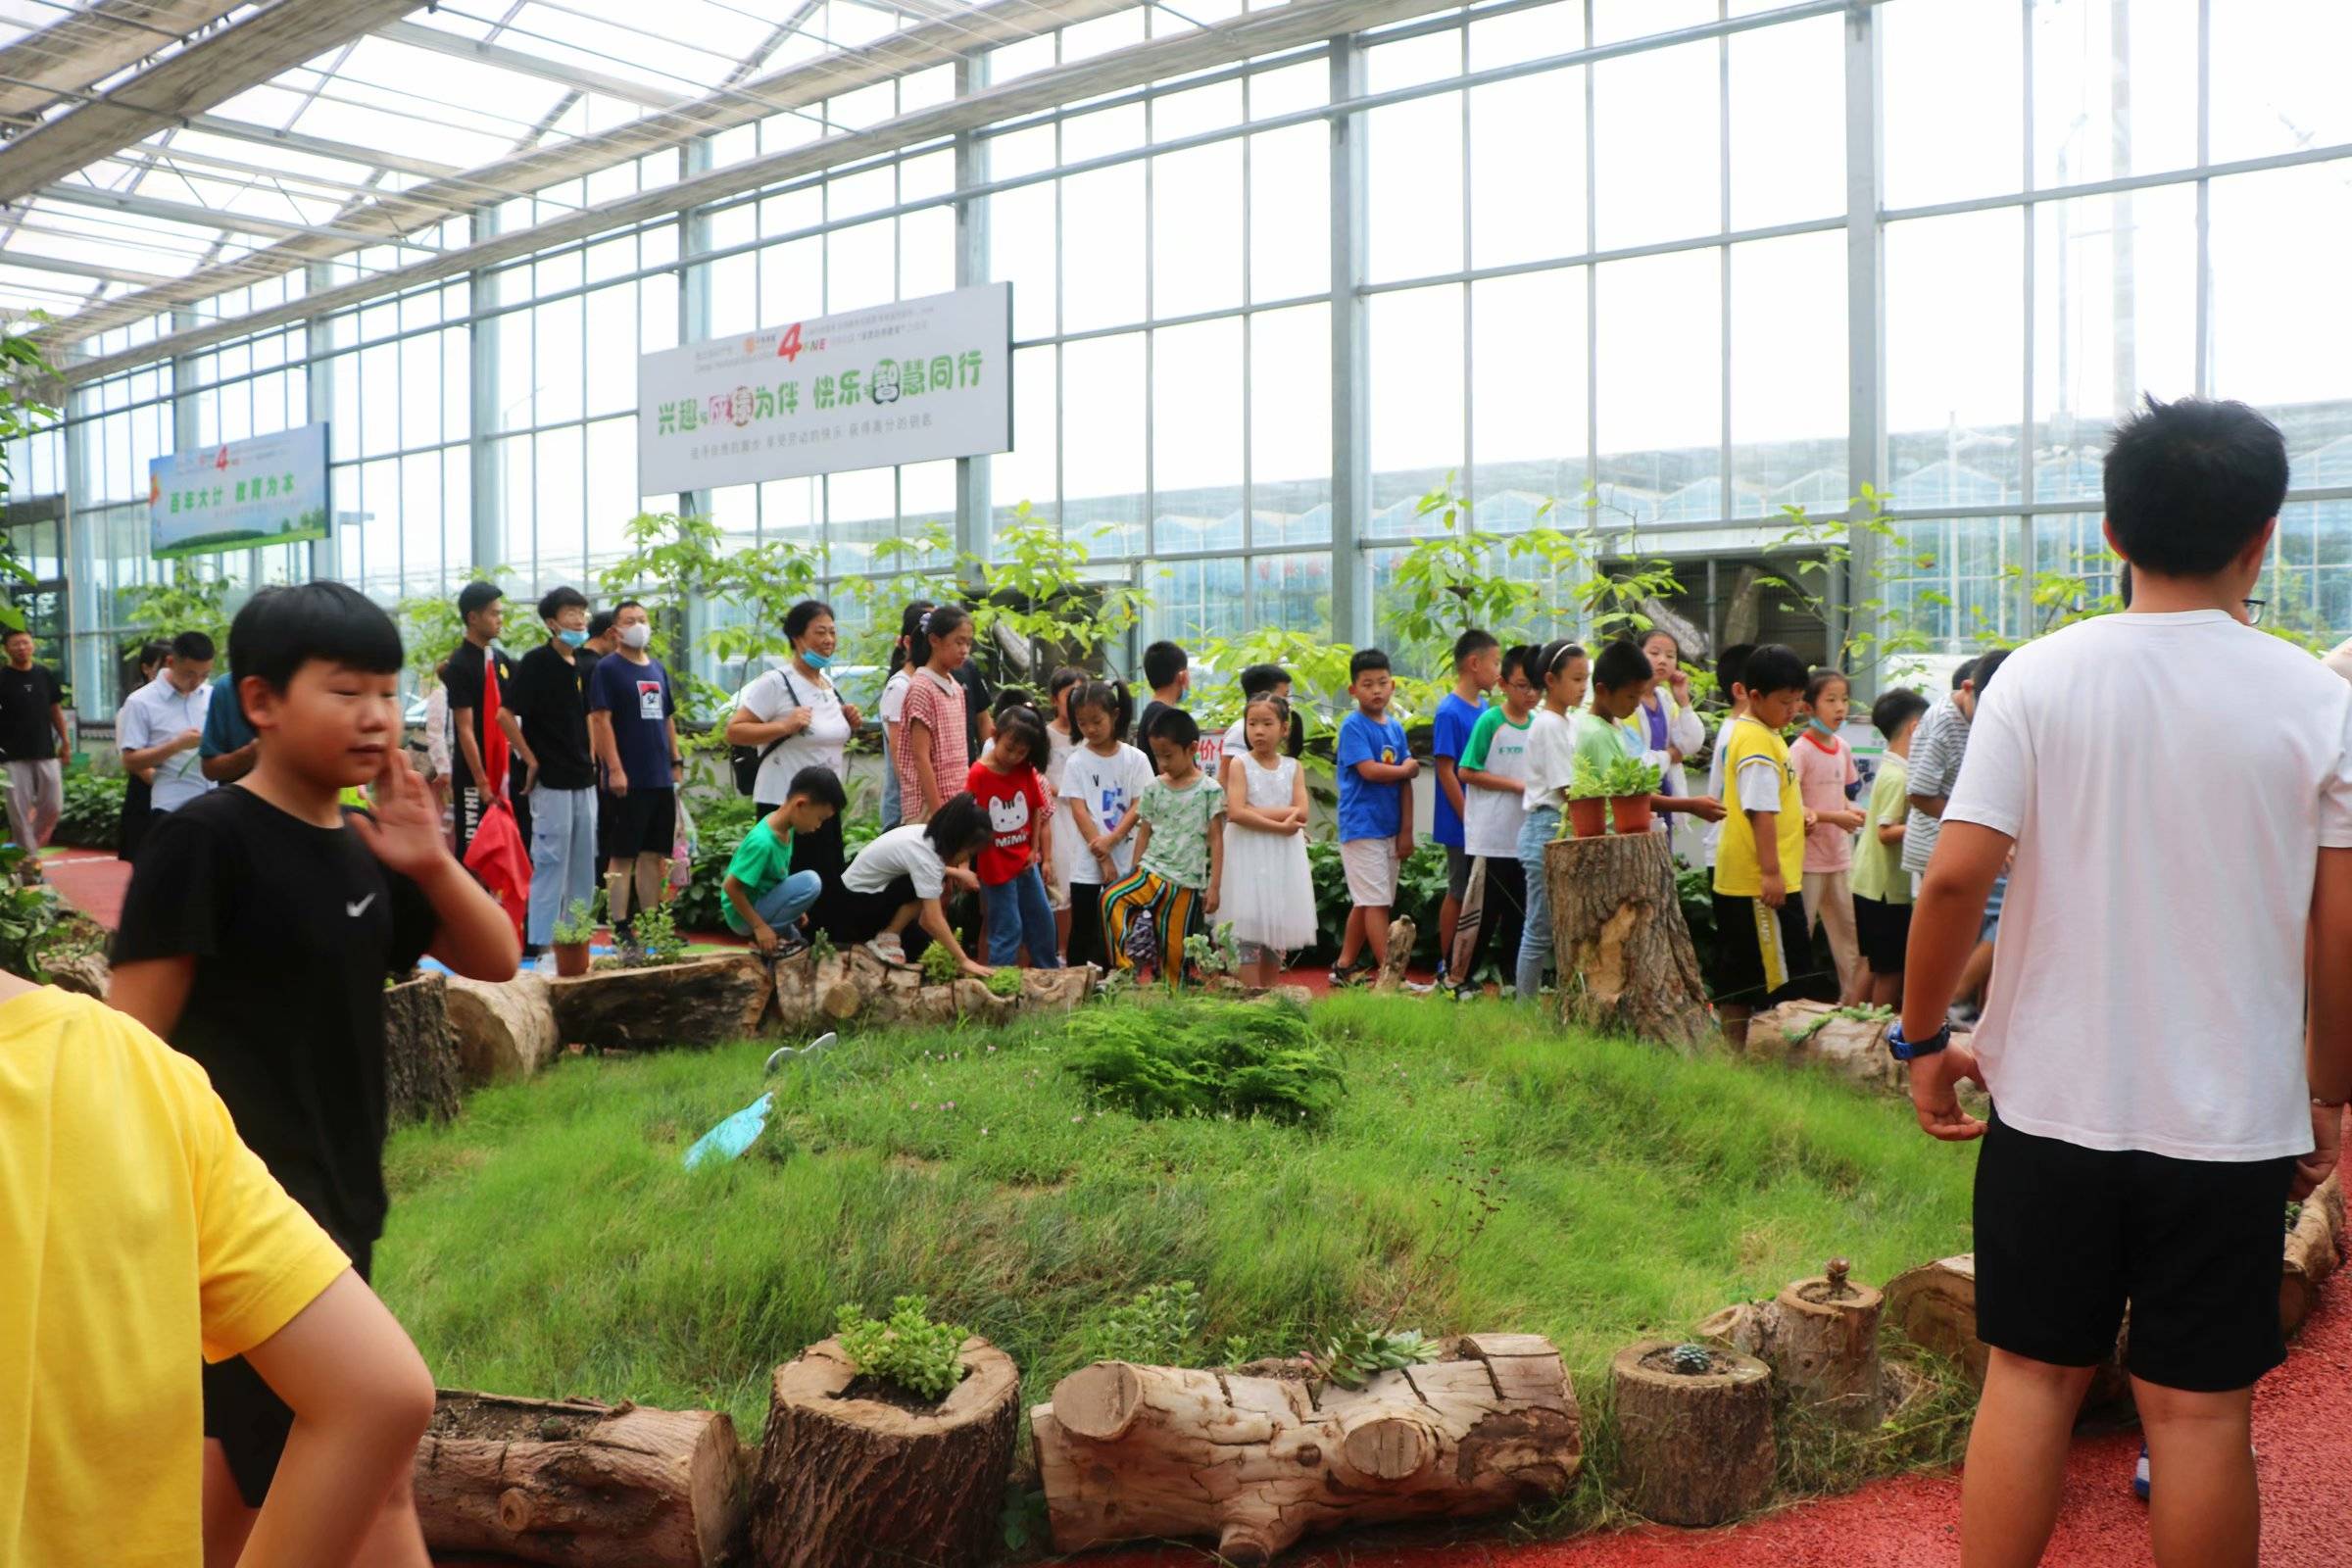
(545, 715)
(261, 923)
(32, 737)
(471, 669)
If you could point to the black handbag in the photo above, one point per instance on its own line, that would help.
(748, 759)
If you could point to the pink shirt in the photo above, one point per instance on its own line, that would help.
(939, 704)
(1822, 777)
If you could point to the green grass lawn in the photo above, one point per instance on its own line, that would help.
(549, 1241)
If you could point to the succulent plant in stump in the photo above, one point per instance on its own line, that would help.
(1692, 1360)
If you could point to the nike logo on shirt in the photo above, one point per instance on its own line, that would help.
(355, 911)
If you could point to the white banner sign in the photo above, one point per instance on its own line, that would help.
(897, 383)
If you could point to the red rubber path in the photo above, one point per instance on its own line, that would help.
(2302, 1431)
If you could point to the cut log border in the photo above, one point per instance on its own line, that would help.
(1694, 1448)
(1624, 953)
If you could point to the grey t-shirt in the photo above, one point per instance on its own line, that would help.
(1937, 749)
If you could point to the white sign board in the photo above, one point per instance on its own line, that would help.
(268, 490)
(897, 383)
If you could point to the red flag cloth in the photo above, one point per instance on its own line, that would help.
(498, 858)
(494, 739)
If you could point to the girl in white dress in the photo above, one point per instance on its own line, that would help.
(1269, 898)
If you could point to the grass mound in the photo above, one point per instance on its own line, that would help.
(1205, 1057)
(549, 1241)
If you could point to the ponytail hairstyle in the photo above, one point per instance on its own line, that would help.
(932, 626)
(1110, 695)
(1556, 653)
(1023, 723)
(911, 621)
(1010, 698)
(1062, 679)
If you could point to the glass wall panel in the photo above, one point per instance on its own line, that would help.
(1417, 405)
(1946, 64)
(1660, 363)
(1955, 346)
(1528, 404)
(1789, 375)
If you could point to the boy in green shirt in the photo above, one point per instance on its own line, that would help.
(766, 898)
(1622, 681)
(1881, 887)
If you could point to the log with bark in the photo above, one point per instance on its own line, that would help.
(1829, 1347)
(1934, 1307)
(420, 1053)
(1402, 934)
(1130, 1453)
(506, 1029)
(85, 975)
(583, 1485)
(812, 993)
(1625, 957)
(1695, 1444)
(851, 1474)
(2314, 1251)
(700, 1001)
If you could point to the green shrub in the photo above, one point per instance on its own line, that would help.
(92, 818)
(1161, 1326)
(907, 1348)
(1352, 1356)
(577, 927)
(655, 933)
(1005, 982)
(938, 965)
(1206, 1058)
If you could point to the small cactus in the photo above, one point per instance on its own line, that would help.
(1690, 1360)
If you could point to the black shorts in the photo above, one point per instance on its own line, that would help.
(644, 822)
(862, 917)
(249, 1421)
(2067, 1236)
(1762, 955)
(1884, 931)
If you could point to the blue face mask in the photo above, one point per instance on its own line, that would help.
(571, 637)
(817, 661)
(1819, 725)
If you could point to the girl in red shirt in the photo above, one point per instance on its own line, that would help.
(1018, 859)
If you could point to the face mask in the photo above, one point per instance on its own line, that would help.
(1819, 725)
(637, 636)
(817, 661)
(572, 637)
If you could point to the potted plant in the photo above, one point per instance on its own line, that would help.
(573, 933)
(1587, 801)
(1628, 783)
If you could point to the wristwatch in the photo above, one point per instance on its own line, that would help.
(1912, 1050)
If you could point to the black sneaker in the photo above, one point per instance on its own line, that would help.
(1342, 977)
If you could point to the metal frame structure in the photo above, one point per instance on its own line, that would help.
(399, 232)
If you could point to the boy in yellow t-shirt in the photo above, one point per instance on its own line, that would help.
(135, 1231)
(1759, 930)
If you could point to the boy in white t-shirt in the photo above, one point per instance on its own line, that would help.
(2161, 1089)
(1492, 769)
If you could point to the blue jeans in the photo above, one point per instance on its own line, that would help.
(1542, 825)
(783, 905)
(891, 814)
(564, 861)
(1018, 914)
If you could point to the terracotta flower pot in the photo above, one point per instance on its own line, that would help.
(1589, 818)
(571, 958)
(1631, 812)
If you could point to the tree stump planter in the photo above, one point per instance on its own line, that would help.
(505, 1028)
(583, 1485)
(1402, 934)
(700, 1001)
(1934, 1307)
(1829, 1347)
(1694, 1448)
(2314, 1251)
(420, 1053)
(1129, 1452)
(847, 1482)
(1625, 957)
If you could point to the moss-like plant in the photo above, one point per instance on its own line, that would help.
(1206, 1058)
(1629, 776)
(938, 965)
(577, 929)
(1352, 1356)
(1585, 782)
(907, 1349)
(1005, 982)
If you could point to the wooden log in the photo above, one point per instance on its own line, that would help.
(1058, 990)
(812, 993)
(1624, 953)
(85, 974)
(2314, 1251)
(420, 1053)
(1829, 1347)
(700, 1001)
(506, 1029)
(845, 1481)
(580, 1483)
(1129, 1452)
(976, 1002)
(1934, 1307)
(1402, 934)
(1694, 1448)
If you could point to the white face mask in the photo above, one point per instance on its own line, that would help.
(637, 636)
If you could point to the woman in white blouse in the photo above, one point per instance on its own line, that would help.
(797, 719)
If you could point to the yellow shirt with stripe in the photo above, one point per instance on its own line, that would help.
(135, 1230)
(1737, 870)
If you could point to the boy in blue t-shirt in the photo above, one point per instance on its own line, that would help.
(1376, 810)
(1476, 670)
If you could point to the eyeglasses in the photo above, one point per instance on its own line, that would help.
(2254, 610)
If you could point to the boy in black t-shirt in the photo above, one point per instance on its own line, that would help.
(261, 923)
(473, 669)
(545, 715)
